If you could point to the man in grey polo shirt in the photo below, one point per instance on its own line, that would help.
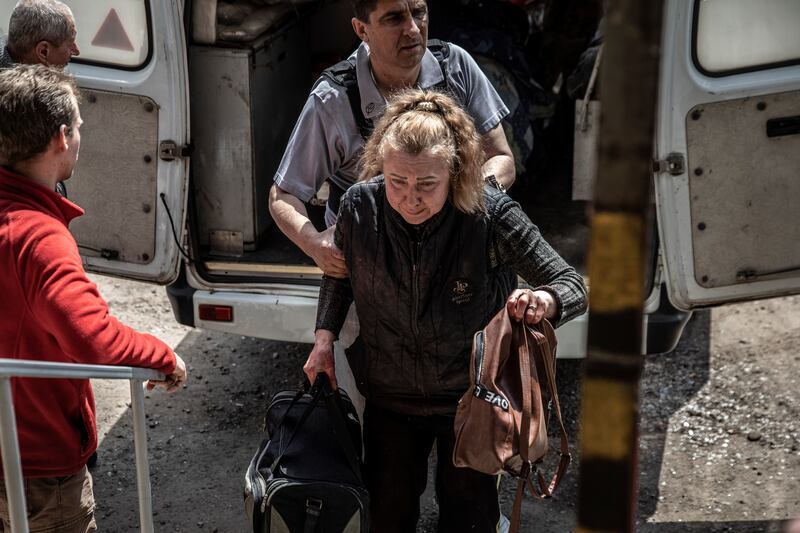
(326, 142)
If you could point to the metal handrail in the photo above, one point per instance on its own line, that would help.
(9, 445)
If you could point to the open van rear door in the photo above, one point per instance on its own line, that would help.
(728, 150)
(131, 176)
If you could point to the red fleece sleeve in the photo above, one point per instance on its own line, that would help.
(68, 305)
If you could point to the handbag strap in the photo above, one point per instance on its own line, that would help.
(590, 89)
(523, 353)
(546, 489)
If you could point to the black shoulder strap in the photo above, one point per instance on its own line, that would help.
(441, 51)
(439, 48)
(343, 73)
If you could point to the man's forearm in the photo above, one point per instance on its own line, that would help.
(499, 157)
(502, 167)
(291, 217)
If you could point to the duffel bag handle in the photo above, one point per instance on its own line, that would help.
(333, 402)
(322, 388)
(314, 401)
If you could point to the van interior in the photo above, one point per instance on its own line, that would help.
(251, 67)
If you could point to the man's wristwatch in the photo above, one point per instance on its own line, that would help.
(492, 180)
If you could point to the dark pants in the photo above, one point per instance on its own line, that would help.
(396, 449)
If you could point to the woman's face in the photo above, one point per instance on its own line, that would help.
(416, 185)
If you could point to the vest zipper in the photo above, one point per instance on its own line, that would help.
(415, 312)
(415, 292)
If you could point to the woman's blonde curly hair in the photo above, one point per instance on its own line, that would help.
(416, 121)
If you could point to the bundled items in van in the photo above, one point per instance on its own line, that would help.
(239, 21)
(244, 21)
(501, 420)
(497, 35)
(307, 475)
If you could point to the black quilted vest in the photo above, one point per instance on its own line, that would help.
(419, 302)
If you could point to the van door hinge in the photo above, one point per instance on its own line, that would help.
(675, 164)
(170, 151)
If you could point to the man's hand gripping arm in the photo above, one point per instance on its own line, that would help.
(292, 218)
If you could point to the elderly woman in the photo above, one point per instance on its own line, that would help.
(432, 253)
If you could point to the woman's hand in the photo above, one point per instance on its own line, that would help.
(532, 305)
(321, 357)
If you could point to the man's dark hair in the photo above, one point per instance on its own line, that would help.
(363, 8)
(35, 101)
(33, 21)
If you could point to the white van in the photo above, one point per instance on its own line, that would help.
(186, 120)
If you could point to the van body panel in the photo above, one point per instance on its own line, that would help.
(281, 305)
(288, 314)
(124, 231)
(292, 319)
(728, 222)
(268, 316)
(134, 196)
(243, 116)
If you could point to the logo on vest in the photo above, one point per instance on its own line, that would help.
(370, 108)
(461, 292)
(492, 398)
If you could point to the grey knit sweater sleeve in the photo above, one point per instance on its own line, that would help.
(520, 245)
(335, 295)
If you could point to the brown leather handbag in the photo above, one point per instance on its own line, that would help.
(500, 423)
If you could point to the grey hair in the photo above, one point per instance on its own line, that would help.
(33, 21)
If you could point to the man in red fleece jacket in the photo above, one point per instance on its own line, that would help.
(49, 309)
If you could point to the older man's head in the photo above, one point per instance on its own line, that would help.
(42, 31)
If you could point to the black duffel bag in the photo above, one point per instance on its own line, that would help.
(306, 476)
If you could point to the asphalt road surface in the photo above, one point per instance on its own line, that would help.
(719, 447)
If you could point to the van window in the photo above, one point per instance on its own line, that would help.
(732, 36)
(114, 32)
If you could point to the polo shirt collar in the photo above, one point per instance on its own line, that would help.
(372, 102)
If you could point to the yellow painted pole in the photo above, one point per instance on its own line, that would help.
(618, 255)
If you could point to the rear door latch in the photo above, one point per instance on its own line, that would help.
(675, 164)
(170, 151)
